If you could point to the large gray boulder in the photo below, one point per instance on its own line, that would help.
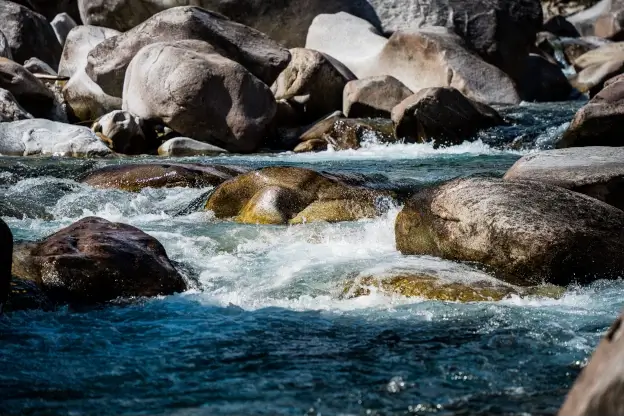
(432, 57)
(6, 256)
(10, 109)
(200, 94)
(79, 42)
(27, 89)
(595, 171)
(28, 34)
(187, 147)
(526, 232)
(263, 57)
(373, 97)
(43, 137)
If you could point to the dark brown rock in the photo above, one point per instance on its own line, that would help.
(543, 81)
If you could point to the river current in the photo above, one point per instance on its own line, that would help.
(264, 329)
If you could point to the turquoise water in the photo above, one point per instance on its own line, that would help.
(264, 329)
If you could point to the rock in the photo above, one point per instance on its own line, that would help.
(314, 80)
(373, 97)
(592, 78)
(442, 116)
(187, 147)
(6, 255)
(573, 48)
(553, 8)
(595, 171)
(312, 145)
(36, 66)
(611, 23)
(543, 81)
(526, 232)
(5, 48)
(598, 389)
(79, 42)
(342, 134)
(432, 57)
(560, 26)
(94, 261)
(262, 57)
(50, 9)
(600, 121)
(44, 137)
(28, 34)
(199, 94)
(26, 295)
(585, 20)
(30, 93)
(605, 53)
(135, 177)
(10, 110)
(281, 195)
(122, 132)
(62, 25)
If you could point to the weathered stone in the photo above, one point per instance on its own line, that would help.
(526, 232)
(442, 116)
(135, 177)
(36, 66)
(122, 132)
(94, 261)
(592, 78)
(6, 255)
(187, 147)
(31, 93)
(312, 145)
(341, 134)
(543, 81)
(585, 21)
(595, 171)
(62, 25)
(44, 137)
(261, 56)
(605, 53)
(373, 97)
(199, 94)
(10, 109)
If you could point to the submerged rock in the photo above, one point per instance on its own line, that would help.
(6, 255)
(526, 232)
(595, 171)
(281, 195)
(187, 147)
(135, 177)
(94, 261)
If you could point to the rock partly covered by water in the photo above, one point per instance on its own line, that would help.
(94, 261)
(526, 232)
(6, 255)
(595, 171)
(443, 116)
(598, 391)
(282, 195)
(135, 177)
(123, 133)
(186, 147)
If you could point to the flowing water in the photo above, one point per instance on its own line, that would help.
(264, 329)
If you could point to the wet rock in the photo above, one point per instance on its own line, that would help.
(595, 171)
(135, 177)
(598, 390)
(10, 109)
(36, 66)
(94, 261)
(281, 195)
(187, 147)
(373, 97)
(342, 134)
(432, 57)
(261, 56)
(44, 137)
(526, 232)
(442, 116)
(30, 93)
(28, 34)
(199, 94)
(6, 255)
(27, 295)
(62, 25)
(314, 80)
(312, 145)
(543, 81)
(560, 26)
(122, 132)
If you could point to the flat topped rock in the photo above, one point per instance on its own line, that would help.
(595, 171)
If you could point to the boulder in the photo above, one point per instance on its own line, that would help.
(37, 67)
(44, 137)
(49, 9)
(373, 97)
(122, 132)
(525, 232)
(598, 390)
(585, 21)
(62, 25)
(94, 261)
(282, 195)
(199, 94)
(314, 80)
(30, 92)
(29, 34)
(602, 54)
(600, 121)
(135, 177)
(261, 56)
(79, 42)
(6, 255)
(341, 134)
(560, 26)
(10, 109)
(187, 147)
(595, 171)
(432, 57)
(5, 48)
(543, 81)
(443, 116)
(592, 78)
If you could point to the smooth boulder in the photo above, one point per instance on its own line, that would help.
(263, 57)
(6, 256)
(135, 177)
(283, 195)
(525, 232)
(595, 171)
(44, 137)
(122, 132)
(199, 94)
(94, 261)
(373, 97)
(10, 109)
(443, 116)
(62, 25)
(29, 91)
(187, 147)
